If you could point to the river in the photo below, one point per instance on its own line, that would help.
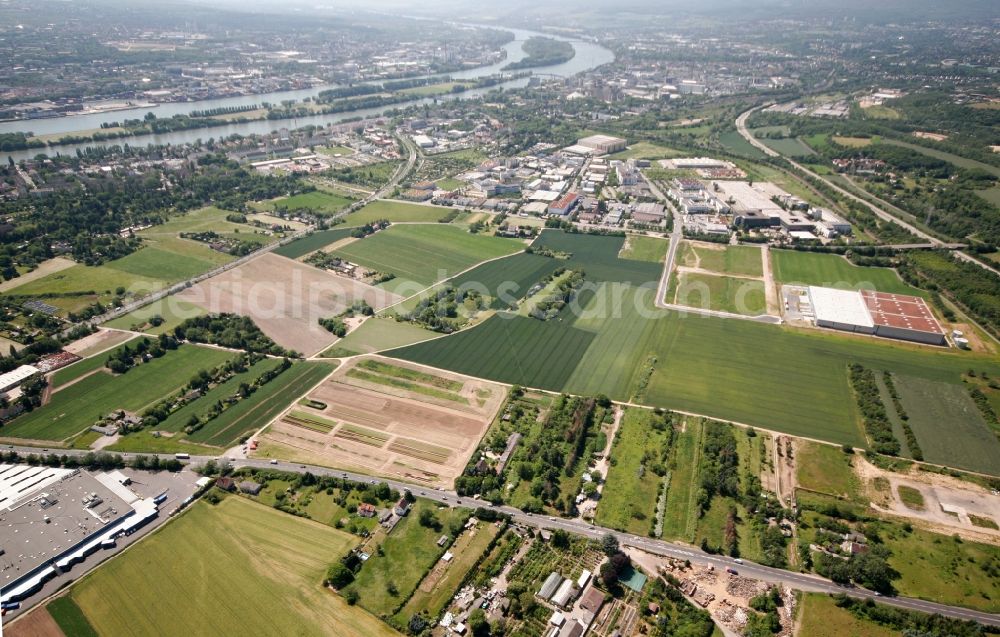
(588, 56)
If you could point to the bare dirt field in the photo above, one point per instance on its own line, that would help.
(948, 502)
(44, 269)
(390, 419)
(285, 298)
(98, 342)
(37, 623)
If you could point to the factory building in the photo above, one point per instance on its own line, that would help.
(897, 316)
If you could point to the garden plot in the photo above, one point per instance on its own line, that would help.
(390, 419)
(285, 298)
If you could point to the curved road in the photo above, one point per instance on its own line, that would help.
(676, 236)
(741, 126)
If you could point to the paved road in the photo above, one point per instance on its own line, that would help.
(676, 235)
(798, 581)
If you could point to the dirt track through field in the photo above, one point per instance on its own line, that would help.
(286, 299)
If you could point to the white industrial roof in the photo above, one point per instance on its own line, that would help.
(840, 306)
(18, 481)
(18, 375)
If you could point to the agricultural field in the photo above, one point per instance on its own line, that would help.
(680, 518)
(388, 419)
(425, 254)
(407, 553)
(76, 407)
(45, 268)
(377, 334)
(317, 201)
(81, 285)
(732, 141)
(789, 146)
(98, 342)
(237, 566)
(631, 487)
(598, 257)
(396, 211)
(967, 442)
(313, 242)
(642, 248)
(171, 309)
(285, 298)
(830, 270)
(507, 280)
(722, 259)
(734, 370)
(821, 617)
(720, 293)
(852, 142)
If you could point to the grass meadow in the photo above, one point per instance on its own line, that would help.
(407, 554)
(78, 406)
(830, 270)
(396, 211)
(821, 617)
(628, 501)
(234, 568)
(318, 201)
(642, 248)
(721, 293)
(745, 260)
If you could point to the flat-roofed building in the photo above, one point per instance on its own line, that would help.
(603, 144)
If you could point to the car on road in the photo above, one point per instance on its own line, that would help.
(274, 461)
(738, 560)
(458, 502)
(731, 570)
(551, 519)
(422, 493)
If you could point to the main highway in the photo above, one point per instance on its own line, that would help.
(798, 581)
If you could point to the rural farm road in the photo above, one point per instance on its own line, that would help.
(676, 235)
(799, 581)
(741, 126)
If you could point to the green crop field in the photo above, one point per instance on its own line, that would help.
(958, 160)
(396, 211)
(91, 283)
(965, 442)
(733, 142)
(745, 260)
(267, 402)
(616, 342)
(408, 552)
(425, 254)
(597, 256)
(507, 280)
(508, 348)
(172, 310)
(821, 617)
(78, 406)
(830, 270)
(628, 501)
(176, 421)
(315, 241)
(790, 146)
(318, 201)
(377, 334)
(643, 248)
(234, 568)
(721, 293)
